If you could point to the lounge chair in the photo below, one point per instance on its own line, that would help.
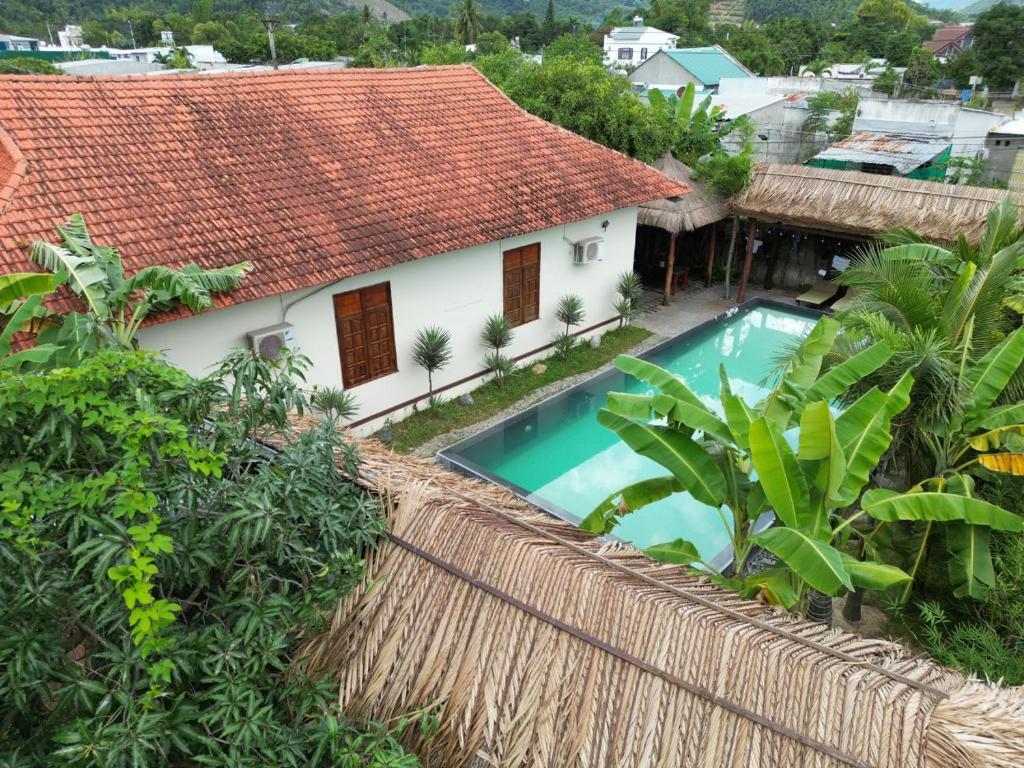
(822, 292)
(847, 301)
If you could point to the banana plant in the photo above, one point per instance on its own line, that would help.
(21, 299)
(117, 303)
(741, 464)
(694, 128)
(981, 438)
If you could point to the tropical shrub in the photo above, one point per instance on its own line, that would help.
(161, 569)
(569, 311)
(334, 403)
(630, 290)
(742, 465)
(496, 335)
(432, 351)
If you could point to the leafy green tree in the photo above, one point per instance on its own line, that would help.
(202, 11)
(961, 67)
(162, 569)
(176, 58)
(753, 47)
(821, 118)
(686, 18)
(881, 26)
(443, 53)
(488, 43)
(742, 466)
(578, 48)
(922, 69)
(997, 44)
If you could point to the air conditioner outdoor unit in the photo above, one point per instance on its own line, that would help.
(588, 250)
(271, 340)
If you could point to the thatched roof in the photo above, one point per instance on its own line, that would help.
(545, 647)
(686, 212)
(864, 204)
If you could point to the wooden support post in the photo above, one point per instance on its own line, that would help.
(741, 294)
(728, 255)
(711, 254)
(669, 268)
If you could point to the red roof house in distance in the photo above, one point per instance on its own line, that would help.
(948, 41)
(371, 203)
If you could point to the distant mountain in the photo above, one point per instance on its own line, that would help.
(980, 6)
(589, 10)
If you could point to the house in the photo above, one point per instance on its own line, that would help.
(70, 36)
(371, 204)
(16, 43)
(912, 138)
(950, 40)
(201, 56)
(704, 67)
(625, 47)
(1006, 155)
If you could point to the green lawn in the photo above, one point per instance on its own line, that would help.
(491, 398)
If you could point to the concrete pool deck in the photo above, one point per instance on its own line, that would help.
(687, 310)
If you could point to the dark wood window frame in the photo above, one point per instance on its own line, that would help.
(521, 284)
(365, 326)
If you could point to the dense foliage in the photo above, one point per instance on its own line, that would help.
(161, 568)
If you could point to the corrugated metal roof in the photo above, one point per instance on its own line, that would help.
(709, 64)
(904, 152)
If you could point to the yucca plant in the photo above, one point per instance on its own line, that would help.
(569, 310)
(334, 403)
(630, 290)
(432, 351)
(496, 335)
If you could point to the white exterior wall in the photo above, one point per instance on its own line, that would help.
(651, 41)
(455, 290)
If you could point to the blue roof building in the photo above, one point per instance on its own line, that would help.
(705, 67)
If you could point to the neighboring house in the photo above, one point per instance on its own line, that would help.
(371, 203)
(777, 116)
(704, 67)
(915, 139)
(856, 73)
(70, 36)
(201, 56)
(626, 47)
(16, 43)
(1006, 155)
(948, 41)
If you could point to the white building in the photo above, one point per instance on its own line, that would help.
(201, 56)
(626, 47)
(371, 204)
(70, 36)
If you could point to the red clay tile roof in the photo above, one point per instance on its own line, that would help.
(313, 176)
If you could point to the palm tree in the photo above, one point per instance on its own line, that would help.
(467, 22)
(118, 305)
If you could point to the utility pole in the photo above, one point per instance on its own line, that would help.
(270, 22)
(131, 33)
(49, 33)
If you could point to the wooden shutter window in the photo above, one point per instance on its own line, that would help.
(366, 334)
(521, 268)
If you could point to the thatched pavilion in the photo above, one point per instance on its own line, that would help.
(677, 215)
(544, 647)
(855, 207)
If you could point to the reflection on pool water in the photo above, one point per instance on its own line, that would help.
(560, 458)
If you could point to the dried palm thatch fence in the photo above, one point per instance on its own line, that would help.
(864, 204)
(546, 647)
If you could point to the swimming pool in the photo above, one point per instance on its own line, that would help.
(556, 455)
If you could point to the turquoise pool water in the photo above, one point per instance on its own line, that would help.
(559, 457)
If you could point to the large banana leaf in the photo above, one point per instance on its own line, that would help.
(872, 575)
(849, 372)
(82, 274)
(1004, 463)
(889, 506)
(685, 459)
(970, 569)
(814, 561)
(629, 499)
(999, 417)
(658, 377)
(777, 585)
(802, 370)
(987, 378)
(779, 474)
(679, 552)
(684, 107)
(863, 431)
(820, 442)
(646, 407)
(632, 406)
(1011, 436)
(16, 321)
(737, 414)
(19, 285)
